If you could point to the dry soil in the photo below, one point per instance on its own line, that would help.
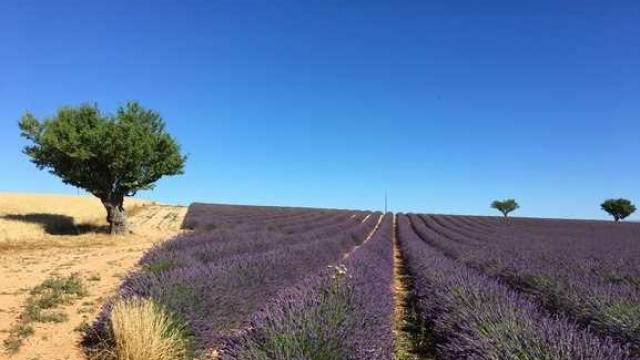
(47, 235)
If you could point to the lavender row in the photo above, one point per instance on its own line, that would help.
(206, 217)
(211, 246)
(340, 313)
(471, 316)
(602, 248)
(608, 252)
(210, 216)
(609, 309)
(215, 297)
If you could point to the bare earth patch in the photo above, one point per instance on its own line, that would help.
(410, 339)
(30, 254)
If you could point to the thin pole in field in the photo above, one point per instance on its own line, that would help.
(385, 201)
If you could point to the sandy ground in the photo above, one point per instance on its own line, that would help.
(407, 331)
(30, 253)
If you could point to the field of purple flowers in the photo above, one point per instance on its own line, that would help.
(488, 288)
(260, 283)
(239, 260)
(343, 312)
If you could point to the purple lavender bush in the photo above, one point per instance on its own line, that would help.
(215, 279)
(471, 316)
(345, 312)
(546, 260)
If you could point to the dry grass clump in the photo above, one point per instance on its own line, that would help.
(144, 330)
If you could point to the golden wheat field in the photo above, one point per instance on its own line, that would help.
(49, 239)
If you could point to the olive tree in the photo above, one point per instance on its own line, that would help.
(618, 208)
(505, 206)
(109, 155)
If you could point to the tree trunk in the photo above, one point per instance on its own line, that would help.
(506, 218)
(115, 214)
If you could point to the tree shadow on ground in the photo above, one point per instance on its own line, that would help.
(56, 224)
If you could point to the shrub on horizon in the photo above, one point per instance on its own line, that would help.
(505, 206)
(618, 208)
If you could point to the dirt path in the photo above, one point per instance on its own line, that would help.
(99, 261)
(410, 342)
(373, 231)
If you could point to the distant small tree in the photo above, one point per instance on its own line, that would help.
(505, 206)
(618, 208)
(110, 156)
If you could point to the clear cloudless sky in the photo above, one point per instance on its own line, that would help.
(445, 104)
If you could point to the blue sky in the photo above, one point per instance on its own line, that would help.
(447, 105)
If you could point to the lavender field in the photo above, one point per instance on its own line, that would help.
(488, 288)
(251, 282)
(243, 273)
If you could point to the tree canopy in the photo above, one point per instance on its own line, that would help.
(505, 206)
(110, 156)
(618, 208)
